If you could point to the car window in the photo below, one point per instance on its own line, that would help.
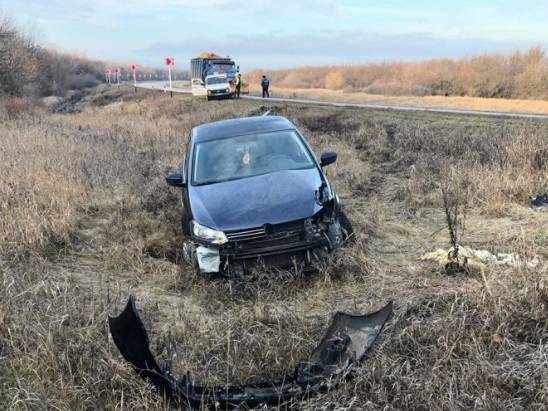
(216, 80)
(250, 155)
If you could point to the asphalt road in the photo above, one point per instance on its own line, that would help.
(163, 86)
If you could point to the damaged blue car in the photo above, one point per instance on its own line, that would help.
(254, 192)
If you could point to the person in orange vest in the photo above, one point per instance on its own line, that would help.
(238, 83)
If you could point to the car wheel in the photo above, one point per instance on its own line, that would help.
(346, 225)
(185, 226)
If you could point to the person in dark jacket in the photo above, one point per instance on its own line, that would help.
(265, 83)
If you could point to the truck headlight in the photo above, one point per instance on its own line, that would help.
(208, 234)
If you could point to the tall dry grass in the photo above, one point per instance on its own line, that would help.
(521, 75)
(86, 218)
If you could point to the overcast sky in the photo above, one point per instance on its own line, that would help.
(283, 33)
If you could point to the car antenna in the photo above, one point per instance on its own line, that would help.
(266, 113)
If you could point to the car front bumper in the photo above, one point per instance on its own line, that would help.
(303, 242)
(269, 250)
(211, 259)
(218, 93)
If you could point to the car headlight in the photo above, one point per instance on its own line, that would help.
(208, 234)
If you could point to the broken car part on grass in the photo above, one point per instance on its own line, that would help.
(540, 201)
(346, 342)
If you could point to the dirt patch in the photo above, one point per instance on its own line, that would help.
(71, 104)
(337, 123)
(262, 110)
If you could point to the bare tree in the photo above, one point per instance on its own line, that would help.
(18, 61)
(455, 199)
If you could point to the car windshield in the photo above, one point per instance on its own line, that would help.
(249, 155)
(216, 80)
(225, 67)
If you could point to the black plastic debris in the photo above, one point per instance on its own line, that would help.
(345, 344)
(540, 201)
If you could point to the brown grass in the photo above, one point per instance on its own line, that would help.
(87, 219)
(519, 75)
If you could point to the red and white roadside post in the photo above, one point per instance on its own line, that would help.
(117, 71)
(134, 72)
(170, 61)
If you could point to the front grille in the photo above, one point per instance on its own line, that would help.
(243, 235)
(292, 226)
(268, 236)
(269, 242)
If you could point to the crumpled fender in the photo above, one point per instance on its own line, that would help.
(345, 344)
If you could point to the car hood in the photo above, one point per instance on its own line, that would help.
(251, 202)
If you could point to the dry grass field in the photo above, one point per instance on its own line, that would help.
(519, 75)
(86, 219)
(453, 102)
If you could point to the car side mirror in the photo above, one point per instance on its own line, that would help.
(328, 157)
(175, 180)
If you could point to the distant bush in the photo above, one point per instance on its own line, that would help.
(27, 69)
(519, 75)
(335, 80)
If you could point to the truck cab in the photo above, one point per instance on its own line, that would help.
(217, 86)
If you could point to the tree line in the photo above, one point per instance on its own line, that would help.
(519, 75)
(28, 69)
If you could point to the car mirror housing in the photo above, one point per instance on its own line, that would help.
(175, 180)
(328, 157)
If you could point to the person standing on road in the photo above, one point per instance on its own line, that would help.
(265, 83)
(238, 83)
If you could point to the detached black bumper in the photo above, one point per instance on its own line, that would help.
(346, 342)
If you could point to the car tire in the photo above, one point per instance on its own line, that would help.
(185, 223)
(346, 225)
(185, 226)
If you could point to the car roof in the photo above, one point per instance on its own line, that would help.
(240, 126)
